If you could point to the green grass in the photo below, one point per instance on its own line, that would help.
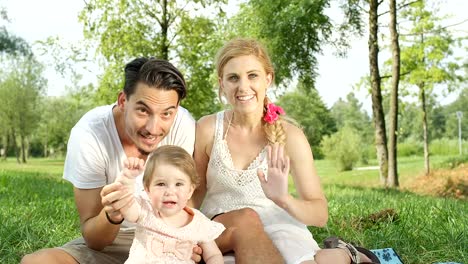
(37, 210)
(408, 168)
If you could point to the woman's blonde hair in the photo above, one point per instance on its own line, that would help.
(237, 47)
(171, 155)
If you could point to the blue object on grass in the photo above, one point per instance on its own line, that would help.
(387, 256)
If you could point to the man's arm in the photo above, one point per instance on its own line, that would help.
(96, 229)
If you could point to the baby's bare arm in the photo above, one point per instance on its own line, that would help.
(132, 168)
(211, 253)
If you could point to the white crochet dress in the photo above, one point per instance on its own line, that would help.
(231, 189)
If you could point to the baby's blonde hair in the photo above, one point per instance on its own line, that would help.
(275, 132)
(171, 155)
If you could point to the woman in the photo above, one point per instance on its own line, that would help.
(243, 156)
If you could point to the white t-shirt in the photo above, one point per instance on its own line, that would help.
(95, 154)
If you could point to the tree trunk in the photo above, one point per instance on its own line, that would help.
(164, 29)
(23, 148)
(15, 146)
(377, 109)
(6, 144)
(46, 143)
(422, 95)
(392, 133)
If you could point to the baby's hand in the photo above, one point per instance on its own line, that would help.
(132, 168)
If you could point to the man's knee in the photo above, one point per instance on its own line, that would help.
(50, 255)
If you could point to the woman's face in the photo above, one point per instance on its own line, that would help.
(244, 83)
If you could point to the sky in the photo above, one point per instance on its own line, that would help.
(36, 20)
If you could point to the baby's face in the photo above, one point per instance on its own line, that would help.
(169, 190)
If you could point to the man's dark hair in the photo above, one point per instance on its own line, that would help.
(156, 73)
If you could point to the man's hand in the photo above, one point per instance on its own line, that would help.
(119, 195)
(197, 253)
(114, 197)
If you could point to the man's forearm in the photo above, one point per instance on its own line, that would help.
(98, 232)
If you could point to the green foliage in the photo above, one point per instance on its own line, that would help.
(349, 112)
(453, 162)
(12, 44)
(344, 147)
(198, 47)
(21, 89)
(58, 116)
(451, 119)
(181, 32)
(427, 49)
(446, 146)
(308, 109)
(410, 147)
(294, 32)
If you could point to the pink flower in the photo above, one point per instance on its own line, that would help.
(272, 113)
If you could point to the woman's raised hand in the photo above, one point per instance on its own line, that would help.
(275, 186)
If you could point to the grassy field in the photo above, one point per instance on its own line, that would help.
(37, 210)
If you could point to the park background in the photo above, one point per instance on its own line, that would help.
(319, 48)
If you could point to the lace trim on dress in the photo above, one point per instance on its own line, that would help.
(243, 177)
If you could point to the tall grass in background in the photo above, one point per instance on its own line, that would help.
(443, 146)
(37, 211)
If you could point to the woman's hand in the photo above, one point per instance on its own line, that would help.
(275, 186)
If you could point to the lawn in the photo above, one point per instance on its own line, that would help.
(37, 210)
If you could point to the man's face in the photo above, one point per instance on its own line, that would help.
(148, 115)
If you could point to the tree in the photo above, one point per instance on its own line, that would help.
(12, 44)
(451, 120)
(349, 113)
(344, 146)
(58, 116)
(307, 108)
(426, 59)
(376, 93)
(21, 90)
(293, 31)
(357, 8)
(392, 139)
(129, 28)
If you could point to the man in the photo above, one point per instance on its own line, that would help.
(147, 115)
